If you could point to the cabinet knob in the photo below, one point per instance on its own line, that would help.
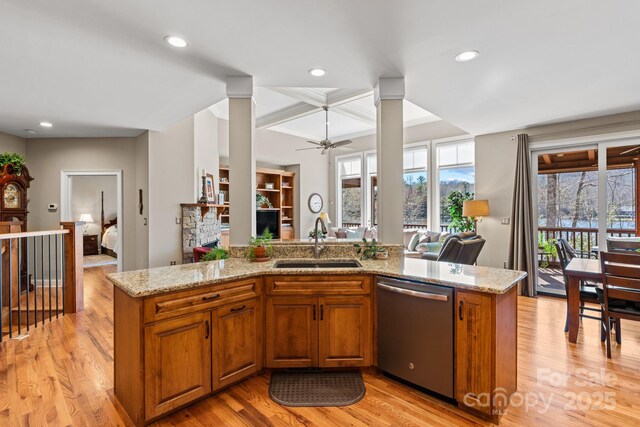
(411, 365)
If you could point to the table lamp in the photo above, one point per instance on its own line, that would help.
(86, 218)
(325, 218)
(475, 209)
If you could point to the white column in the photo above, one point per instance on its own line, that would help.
(389, 93)
(242, 164)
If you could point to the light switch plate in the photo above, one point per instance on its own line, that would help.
(504, 220)
(178, 220)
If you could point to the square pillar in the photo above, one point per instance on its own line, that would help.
(242, 164)
(389, 94)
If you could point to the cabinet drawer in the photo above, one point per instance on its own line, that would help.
(176, 304)
(351, 284)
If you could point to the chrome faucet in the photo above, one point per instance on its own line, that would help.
(317, 249)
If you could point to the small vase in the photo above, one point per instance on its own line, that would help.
(382, 255)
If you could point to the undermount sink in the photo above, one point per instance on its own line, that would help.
(315, 263)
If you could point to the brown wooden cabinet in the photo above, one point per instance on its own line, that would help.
(177, 362)
(89, 244)
(292, 332)
(237, 342)
(486, 351)
(315, 331)
(344, 337)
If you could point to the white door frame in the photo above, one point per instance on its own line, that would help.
(65, 200)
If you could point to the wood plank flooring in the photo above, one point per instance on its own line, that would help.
(62, 374)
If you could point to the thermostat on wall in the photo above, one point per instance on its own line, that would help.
(52, 207)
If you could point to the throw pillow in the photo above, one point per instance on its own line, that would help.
(408, 234)
(434, 236)
(414, 242)
(422, 247)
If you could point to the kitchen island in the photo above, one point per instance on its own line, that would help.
(184, 332)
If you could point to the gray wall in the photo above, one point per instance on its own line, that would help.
(495, 170)
(12, 144)
(47, 157)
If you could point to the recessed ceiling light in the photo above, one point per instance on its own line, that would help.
(30, 131)
(467, 55)
(176, 41)
(317, 72)
(46, 124)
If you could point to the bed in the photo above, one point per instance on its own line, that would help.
(109, 241)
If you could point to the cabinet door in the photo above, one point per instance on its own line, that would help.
(473, 350)
(345, 331)
(292, 332)
(237, 342)
(177, 362)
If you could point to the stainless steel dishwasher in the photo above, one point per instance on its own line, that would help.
(415, 333)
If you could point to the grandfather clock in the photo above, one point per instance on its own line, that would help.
(13, 190)
(13, 204)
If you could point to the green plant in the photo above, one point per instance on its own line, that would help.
(14, 159)
(312, 234)
(263, 241)
(548, 248)
(368, 249)
(215, 254)
(455, 201)
(262, 200)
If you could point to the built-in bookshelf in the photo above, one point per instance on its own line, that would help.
(275, 185)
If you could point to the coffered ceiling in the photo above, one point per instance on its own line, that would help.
(298, 111)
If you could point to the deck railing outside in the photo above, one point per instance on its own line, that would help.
(40, 276)
(582, 239)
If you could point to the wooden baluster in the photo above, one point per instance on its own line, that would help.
(73, 265)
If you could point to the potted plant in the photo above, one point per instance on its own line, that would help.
(260, 248)
(458, 222)
(13, 159)
(215, 254)
(370, 250)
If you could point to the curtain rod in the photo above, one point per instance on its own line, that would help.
(562, 132)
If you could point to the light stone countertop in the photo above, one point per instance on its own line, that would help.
(155, 281)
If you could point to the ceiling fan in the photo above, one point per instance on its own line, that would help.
(326, 144)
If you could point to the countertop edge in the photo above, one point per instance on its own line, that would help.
(269, 271)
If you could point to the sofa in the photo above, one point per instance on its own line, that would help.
(351, 233)
(462, 248)
(420, 241)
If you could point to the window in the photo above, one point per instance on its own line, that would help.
(456, 173)
(425, 194)
(416, 194)
(350, 191)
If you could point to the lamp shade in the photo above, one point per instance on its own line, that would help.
(86, 217)
(325, 217)
(475, 208)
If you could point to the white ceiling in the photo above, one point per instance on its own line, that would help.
(102, 68)
(298, 111)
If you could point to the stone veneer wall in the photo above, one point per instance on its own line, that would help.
(197, 231)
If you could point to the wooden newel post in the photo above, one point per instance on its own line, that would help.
(73, 267)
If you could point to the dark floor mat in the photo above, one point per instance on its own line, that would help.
(316, 388)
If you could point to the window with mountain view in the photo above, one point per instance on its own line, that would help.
(416, 186)
(350, 191)
(457, 173)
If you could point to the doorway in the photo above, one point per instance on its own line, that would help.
(96, 198)
(586, 194)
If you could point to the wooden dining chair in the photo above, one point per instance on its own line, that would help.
(620, 295)
(588, 292)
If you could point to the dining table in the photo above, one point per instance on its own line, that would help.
(577, 270)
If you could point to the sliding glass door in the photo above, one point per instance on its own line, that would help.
(587, 195)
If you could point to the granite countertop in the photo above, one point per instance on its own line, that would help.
(142, 283)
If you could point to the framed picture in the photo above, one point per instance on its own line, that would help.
(210, 187)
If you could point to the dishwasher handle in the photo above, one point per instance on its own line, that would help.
(417, 294)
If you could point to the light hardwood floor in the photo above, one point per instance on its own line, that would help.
(62, 374)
